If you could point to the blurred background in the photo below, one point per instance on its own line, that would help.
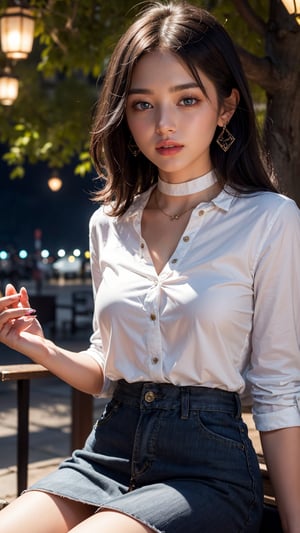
(53, 55)
(44, 231)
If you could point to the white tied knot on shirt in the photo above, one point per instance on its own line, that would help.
(224, 312)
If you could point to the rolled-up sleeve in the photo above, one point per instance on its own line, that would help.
(275, 362)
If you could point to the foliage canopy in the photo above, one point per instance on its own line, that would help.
(51, 119)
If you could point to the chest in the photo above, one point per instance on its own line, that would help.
(162, 235)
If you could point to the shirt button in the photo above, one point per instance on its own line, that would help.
(153, 316)
(174, 261)
(201, 212)
(142, 245)
(149, 396)
(186, 238)
(155, 360)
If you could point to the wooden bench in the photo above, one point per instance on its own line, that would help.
(81, 413)
(3, 503)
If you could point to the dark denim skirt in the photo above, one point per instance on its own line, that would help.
(175, 458)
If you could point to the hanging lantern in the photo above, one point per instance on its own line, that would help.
(9, 87)
(17, 32)
(293, 8)
(55, 182)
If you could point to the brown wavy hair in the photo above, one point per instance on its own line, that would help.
(199, 40)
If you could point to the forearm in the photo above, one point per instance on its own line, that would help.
(20, 331)
(282, 454)
(79, 370)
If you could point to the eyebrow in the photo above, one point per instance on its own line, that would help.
(175, 89)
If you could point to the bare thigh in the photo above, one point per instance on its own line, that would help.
(36, 512)
(108, 521)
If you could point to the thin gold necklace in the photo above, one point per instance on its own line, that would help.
(172, 217)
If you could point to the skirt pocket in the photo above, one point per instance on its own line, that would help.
(222, 427)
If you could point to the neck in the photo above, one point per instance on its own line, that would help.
(187, 187)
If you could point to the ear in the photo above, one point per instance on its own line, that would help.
(228, 107)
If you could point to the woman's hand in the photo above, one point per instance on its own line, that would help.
(19, 328)
(21, 331)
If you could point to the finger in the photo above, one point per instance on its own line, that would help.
(24, 299)
(15, 327)
(15, 312)
(10, 289)
(23, 323)
(8, 301)
(9, 318)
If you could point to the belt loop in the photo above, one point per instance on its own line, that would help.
(185, 403)
(238, 405)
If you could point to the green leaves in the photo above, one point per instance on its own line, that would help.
(51, 119)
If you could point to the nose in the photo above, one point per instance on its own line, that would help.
(165, 121)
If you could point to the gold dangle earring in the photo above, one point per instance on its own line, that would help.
(225, 139)
(133, 148)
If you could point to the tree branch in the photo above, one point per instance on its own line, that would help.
(260, 70)
(56, 39)
(250, 16)
(71, 19)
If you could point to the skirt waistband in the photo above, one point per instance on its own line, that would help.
(150, 395)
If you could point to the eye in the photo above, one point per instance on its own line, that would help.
(189, 101)
(141, 106)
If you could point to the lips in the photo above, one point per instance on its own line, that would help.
(168, 147)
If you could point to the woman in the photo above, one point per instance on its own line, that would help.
(194, 261)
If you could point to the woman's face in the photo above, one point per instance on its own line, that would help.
(171, 120)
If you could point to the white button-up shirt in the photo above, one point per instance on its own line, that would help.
(224, 312)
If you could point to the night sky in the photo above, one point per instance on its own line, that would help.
(28, 204)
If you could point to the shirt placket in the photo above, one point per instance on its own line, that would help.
(153, 299)
(196, 221)
(153, 333)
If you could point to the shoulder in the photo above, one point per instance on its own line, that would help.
(276, 223)
(102, 216)
(279, 207)
(100, 227)
(102, 219)
(266, 199)
(269, 207)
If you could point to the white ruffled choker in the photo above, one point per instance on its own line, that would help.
(187, 187)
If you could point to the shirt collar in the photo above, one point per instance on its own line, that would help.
(225, 198)
(139, 203)
(222, 201)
